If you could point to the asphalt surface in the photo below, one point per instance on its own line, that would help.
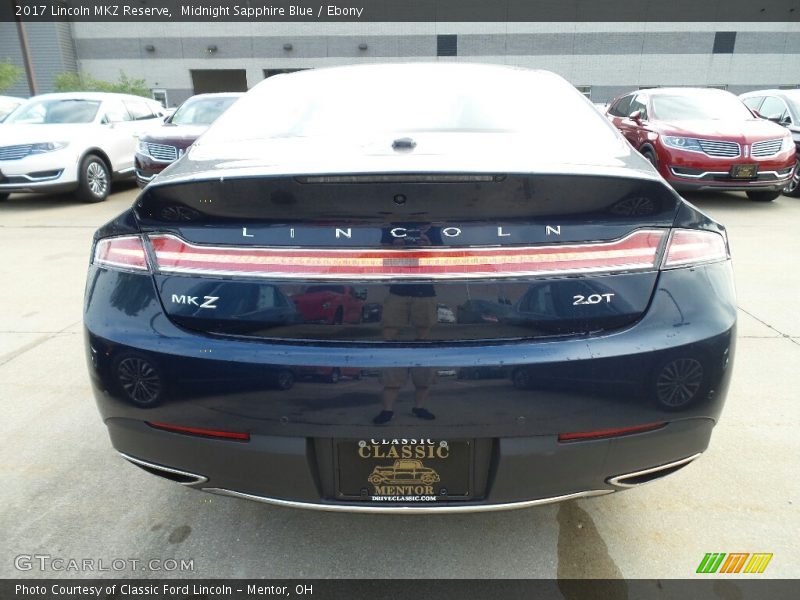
(66, 494)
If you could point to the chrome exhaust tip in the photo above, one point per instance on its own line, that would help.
(175, 475)
(636, 478)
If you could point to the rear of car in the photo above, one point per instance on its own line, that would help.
(706, 139)
(589, 350)
(160, 148)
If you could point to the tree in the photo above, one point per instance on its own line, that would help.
(9, 74)
(81, 82)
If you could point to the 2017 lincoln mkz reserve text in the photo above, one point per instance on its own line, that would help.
(410, 288)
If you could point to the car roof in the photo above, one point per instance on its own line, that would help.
(90, 96)
(792, 93)
(216, 95)
(684, 91)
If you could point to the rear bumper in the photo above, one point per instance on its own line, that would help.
(515, 473)
(521, 396)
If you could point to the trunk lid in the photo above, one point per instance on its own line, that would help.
(406, 257)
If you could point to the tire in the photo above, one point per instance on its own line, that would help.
(763, 196)
(94, 180)
(792, 188)
(651, 156)
(4, 196)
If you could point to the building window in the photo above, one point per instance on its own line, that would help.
(586, 90)
(271, 72)
(724, 41)
(161, 96)
(446, 45)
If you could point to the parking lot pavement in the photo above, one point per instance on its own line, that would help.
(66, 494)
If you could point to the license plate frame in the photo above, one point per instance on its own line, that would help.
(748, 171)
(429, 471)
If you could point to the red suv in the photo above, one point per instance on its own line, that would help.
(706, 139)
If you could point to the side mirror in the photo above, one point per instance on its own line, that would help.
(785, 121)
(636, 116)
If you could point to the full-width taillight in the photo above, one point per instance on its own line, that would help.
(689, 246)
(637, 251)
(199, 431)
(126, 252)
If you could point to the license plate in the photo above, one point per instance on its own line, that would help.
(404, 470)
(744, 171)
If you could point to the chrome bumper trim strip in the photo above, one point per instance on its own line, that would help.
(407, 510)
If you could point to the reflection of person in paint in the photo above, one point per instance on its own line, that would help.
(408, 304)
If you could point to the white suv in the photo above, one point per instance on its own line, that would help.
(74, 141)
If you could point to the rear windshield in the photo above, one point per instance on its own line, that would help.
(38, 112)
(361, 102)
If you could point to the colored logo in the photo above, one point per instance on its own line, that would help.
(735, 562)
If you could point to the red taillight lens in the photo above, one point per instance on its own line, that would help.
(687, 247)
(636, 251)
(607, 433)
(121, 253)
(210, 433)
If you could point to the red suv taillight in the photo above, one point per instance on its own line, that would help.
(126, 252)
(690, 246)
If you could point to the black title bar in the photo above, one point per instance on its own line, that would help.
(377, 589)
(401, 10)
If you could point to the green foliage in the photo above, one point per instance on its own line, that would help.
(9, 74)
(79, 82)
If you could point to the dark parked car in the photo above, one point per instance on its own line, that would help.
(159, 149)
(706, 139)
(459, 188)
(781, 107)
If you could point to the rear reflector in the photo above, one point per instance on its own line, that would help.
(607, 433)
(210, 433)
(636, 251)
(688, 246)
(121, 253)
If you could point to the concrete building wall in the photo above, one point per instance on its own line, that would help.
(52, 52)
(608, 57)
